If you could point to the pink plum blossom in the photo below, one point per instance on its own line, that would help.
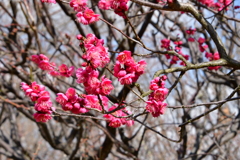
(96, 54)
(190, 39)
(156, 108)
(105, 86)
(87, 17)
(43, 103)
(43, 62)
(155, 104)
(124, 56)
(78, 5)
(119, 6)
(42, 117)
(160, 94)
(71, 102)
(92, 101)
(165, 43)
(213, 57)
(126, 69)
(89, 78)
(117, 122)
(191, 31)
(61, 98)
(201, 40)
(65, 71)
(104, 4)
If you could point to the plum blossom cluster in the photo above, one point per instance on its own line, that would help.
(96, 56)
(43, 62)
(219, 5)
(126, 69)
(87, 16)
(202, 45)
(213, 57)
(155, 104)
(191, 32)
(43, 104)
(209, 56)
(84, 14)
(119, 6)
(113, 119)
(178, 48)
(70, 101)
(89, 78)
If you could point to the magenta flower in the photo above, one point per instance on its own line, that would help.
(65, 71)
(119, 6)
(155, 108)
(33, 90)
(92, 85)
(71, 94)
(216, 56)
(38, 58)
(97, 56)
(43, 103)
(191, 31)
(106, 86)
(126, 69)
(78, 108)
(203, 48)
(127, 79)
(236, 7)
(124, 56)
(201, 40)
(71, 102)
(104, 4)
(43, 62)
(87, 17)
(68, 106)
(78, 5)
(92, 40)
(140, 67)
(212, 57)
(155, 103)
(165, 43)
(158, 82)
(43, 106)
(61, 98)
(92, 101)
(82, 75)
(190, 39)
(178, 43)
(160, 94)
(117, 122)
(45, 65)
(42, 117)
